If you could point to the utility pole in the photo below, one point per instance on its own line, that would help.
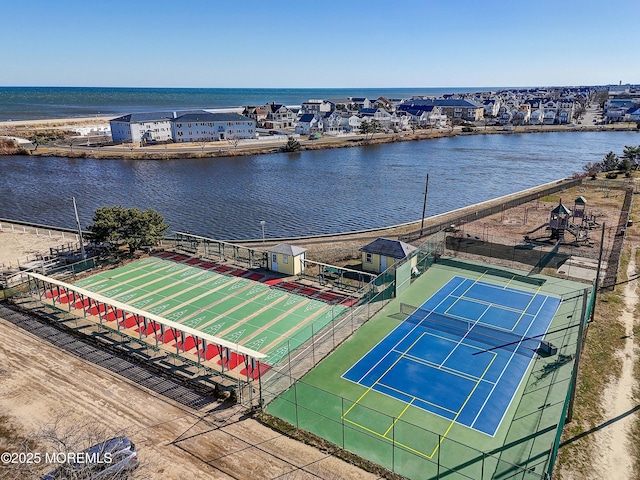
(75, 209)
(424, 205)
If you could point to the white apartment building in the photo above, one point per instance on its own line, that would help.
(142, 127)
(210, 127)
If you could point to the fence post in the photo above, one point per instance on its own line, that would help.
(342, 419)
(393, 444)
(295, 402)
(576, 365)
(439, 448)
(313, 346)
(289, 362)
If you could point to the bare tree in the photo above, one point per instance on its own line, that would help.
(234, 142)
(64, 447)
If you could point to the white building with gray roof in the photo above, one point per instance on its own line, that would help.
(211, 127)
(142, 127)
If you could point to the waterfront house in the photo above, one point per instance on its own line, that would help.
(142, 127)
(419, 118)
(522, 115)
(286, 259)
(491, 107)
(334, 123)
(279, 116)
(380, 254)
(258, 113)
(451, 107)
(632, 115)
(209, 127)
(309, 123)
(428, 116)
(537, 117)
(400, 121)
(379, 114)
(506, 117)
(354, 122)
(549, 117)
(566, 110)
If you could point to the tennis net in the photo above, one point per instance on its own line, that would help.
(479, 332)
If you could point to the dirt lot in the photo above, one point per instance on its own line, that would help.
(42, 384)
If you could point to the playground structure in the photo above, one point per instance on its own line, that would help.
(578, 222)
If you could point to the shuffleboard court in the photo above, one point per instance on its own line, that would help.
(461, 355)
(236, 309)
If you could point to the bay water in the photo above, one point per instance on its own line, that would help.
(305, 193)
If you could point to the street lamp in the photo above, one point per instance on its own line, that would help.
(262, 222)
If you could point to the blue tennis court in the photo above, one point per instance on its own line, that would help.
(462, 354)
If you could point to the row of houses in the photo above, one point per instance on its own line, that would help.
(340, 116)
(534, 106)
(313, 117)
(622, 110)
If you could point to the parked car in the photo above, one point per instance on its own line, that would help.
(113, 458)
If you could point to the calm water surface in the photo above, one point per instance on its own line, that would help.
(307, 193)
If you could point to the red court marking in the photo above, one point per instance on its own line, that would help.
(164, 254)
(350, 302)
(111, 315)
(239, 273)
(151, 328)
(94, 310)
(193, 261)
(208, 265)
(255, 373)
(129, 322)
(168, 336)
(53, 293)
(179, 258)
(308, 291)
(273, 281)
(82, 304)
(233, 362)
(255, 277)
(63, 296)
(327, 296)
(189, 343)
(212, 351)
(290, 286)
(223, 268)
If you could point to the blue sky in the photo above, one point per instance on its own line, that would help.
(297, 44)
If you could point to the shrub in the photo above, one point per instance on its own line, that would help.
(292, 145)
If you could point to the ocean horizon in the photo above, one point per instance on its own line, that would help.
(37, 103)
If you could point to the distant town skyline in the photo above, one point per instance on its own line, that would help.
(350, 44)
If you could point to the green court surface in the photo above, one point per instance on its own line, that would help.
(238, 310)
(417, 443)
